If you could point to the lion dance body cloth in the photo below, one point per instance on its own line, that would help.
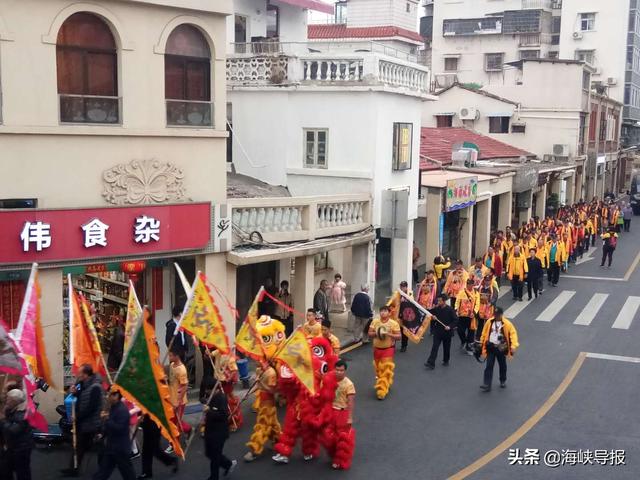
(267, 427)
(383, 353)
(308, 415)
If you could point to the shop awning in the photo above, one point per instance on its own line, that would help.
(316, 5)
(251, 256)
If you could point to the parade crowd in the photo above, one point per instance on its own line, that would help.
(452, 300)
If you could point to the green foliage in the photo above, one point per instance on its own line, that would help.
(473, 85)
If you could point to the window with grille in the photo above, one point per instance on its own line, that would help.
(187, 78)
(493, 62)
(451, 64)
(586, 56)
(315, 154)
(587, 21)
(86, 60)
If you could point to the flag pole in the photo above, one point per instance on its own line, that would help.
(421, 308)
(188, 290)
(75, 435)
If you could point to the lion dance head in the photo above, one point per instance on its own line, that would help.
(272, 333)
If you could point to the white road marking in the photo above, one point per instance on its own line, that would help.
(590, 311)
(516, 308)
(504, 290)
(627, 312)
(617, 358)
(555, 306)
(603, 279)
(588, 257)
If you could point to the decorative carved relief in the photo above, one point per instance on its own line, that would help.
(142, 182)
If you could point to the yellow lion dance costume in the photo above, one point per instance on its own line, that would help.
(384, 368)
(267, 426)
(385, 331)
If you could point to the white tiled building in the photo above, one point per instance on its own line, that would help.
(335, 113)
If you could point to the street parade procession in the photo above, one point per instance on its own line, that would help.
(300, 391)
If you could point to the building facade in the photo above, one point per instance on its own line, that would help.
(112, 148)
(330, 114)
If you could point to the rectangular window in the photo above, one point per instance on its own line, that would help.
(273, 21)
(586, 80)
(527, 54)
(518, 128)
(451, 64)
(499, 124)
(341, 12)
(493, 62)
(444, 121)
(315, 144)
(586, 56)
(552, 55)
(402, 145)
(587, 21)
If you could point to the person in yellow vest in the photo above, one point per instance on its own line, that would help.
(456, 281)
(609, 244)
(385, 332)
(467, 306)
(488, 293)
(542, 254)
(555, 257)
(312, 326)
(499, 341)
(477, 271)
(517, 272)
(588, 234)
(440, 266)
(493, 261)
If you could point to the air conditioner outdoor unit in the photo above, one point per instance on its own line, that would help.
(577, 35)
(612, 81)
(560, 150)
(468, 113)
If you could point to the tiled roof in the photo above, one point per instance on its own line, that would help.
(436, 144)
(326, 32)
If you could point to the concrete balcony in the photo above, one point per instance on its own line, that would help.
(534, 39)
(357, 64)
(294, 219)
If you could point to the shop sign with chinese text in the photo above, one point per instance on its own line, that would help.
(84, 234)
(461, 193)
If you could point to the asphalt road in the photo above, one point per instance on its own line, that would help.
(436, 423)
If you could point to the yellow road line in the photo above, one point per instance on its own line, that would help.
(350, 347)
(526, 426)
(632, 267)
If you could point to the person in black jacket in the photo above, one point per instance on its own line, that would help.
(117, 444)
(535, 273)
(151, 448)
(88, 392)
(321, 300)
(442, 331)
(179, 339)
(362, 314)
(216, 432)
(16, 437)
(117, 347)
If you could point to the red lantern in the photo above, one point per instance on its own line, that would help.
(133, 269)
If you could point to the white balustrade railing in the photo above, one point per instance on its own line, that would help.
(285, 219)
(341, 214)
(364, 68)
(257, 69)
(268, 219)
(332, 70)
(400, 75)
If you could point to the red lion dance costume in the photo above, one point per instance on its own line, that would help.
(307, 415)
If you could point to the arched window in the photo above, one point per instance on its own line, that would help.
(87, 63)
(187, 78)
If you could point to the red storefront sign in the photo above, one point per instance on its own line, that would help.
(86, 234)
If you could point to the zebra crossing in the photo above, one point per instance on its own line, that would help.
(588, 313)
